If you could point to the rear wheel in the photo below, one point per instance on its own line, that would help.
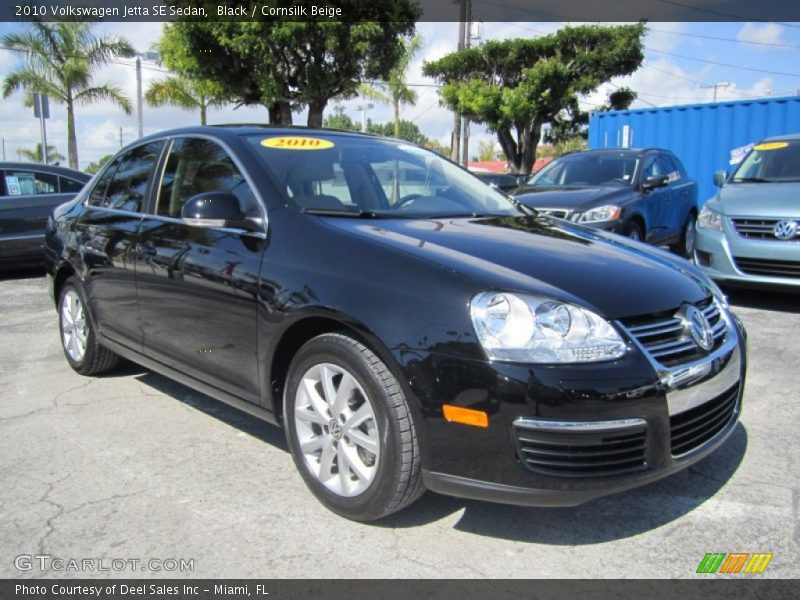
(78, 339)
(349, 429)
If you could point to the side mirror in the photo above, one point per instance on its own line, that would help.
(655, 181)
(213, 209)
(720, 177)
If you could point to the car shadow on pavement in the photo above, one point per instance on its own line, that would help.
(259, 429)
(614, 517)
(764, 300)
(8, 274)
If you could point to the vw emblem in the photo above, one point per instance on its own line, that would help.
(699, 328)
(785, 230)
(336, 429)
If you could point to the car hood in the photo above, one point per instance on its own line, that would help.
(603, 272)
(570, 198)
(759, 199)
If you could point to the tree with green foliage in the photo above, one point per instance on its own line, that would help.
(395, 90)
(340, 120)
(516, 86)
(35, 155)
(60, 59)
(404, 130)
(184, 93)
(486, 151)
(95, 166)
(284, 64)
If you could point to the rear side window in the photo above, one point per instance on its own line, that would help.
(29, 183)
(196, 166)
(69, 186)
(123, 185)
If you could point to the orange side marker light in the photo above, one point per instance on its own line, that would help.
(466, 416)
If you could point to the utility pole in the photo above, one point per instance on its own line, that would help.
(4, 149)
(120, 137)
(716, 86)
(139, 117)
(455, 141)
(364, 108)
(41, 109)
(467, 44)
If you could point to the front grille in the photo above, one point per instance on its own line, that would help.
(691, 429)
(667, 338)
(768, 267)
(556, 213)
(759, 229)
(582, 454)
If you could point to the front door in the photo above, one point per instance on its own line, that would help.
(197, 286)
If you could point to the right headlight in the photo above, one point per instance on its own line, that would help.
(531, 329)
(709, 219)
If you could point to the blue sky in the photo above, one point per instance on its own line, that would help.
(680, 57)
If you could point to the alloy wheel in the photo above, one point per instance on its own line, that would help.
(337, 431)
(73, 326)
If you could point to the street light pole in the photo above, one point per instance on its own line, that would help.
(716, 86)
(364, 108)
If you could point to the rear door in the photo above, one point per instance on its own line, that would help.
(27, 199)
(106, 240)
(197, 287)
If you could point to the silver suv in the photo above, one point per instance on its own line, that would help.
(749, 233)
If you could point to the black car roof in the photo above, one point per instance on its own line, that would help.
(51, 169)
(224, 130)
(631, 151)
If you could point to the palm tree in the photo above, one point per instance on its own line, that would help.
(60, 60)
(395, 90)
(35, 155)
(183, 93)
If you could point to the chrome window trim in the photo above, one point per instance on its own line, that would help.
(19, 238)
(578, 426)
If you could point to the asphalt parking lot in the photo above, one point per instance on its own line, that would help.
(134, 466)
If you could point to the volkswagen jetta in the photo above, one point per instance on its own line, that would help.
(409, 326)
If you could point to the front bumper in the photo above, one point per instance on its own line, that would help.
(662, 407)
(717, 252)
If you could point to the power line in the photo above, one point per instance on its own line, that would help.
(712, 11)
(724, 39)
(731, 66)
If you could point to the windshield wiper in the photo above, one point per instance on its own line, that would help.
(332, 212)
(750, 180)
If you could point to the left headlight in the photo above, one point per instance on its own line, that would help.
(532, 329)
(610, 212)
(709, 219)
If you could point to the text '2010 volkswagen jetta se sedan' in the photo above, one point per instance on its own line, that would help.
(409, 326)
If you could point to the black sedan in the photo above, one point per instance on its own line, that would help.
(507, 182)
(28, 194)
(642, 194)
(407, 325)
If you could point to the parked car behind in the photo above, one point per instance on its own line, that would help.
(507, 182)
(421, 333)
(28, 194)
(644, 194)
(749, 233)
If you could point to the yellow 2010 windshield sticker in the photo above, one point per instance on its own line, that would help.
(296, 143)
(771, 146)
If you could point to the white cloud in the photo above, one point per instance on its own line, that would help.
(761, 33)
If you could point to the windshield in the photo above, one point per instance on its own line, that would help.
(588, 169)
(770, 162)
(349, 175)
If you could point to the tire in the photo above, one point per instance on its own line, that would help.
(686, 243)
(369, 429)
(78, 338)
(634, 231)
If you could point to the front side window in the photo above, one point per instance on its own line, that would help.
(29, 183)
(353, 174)
(128, 188)
(97, 197)
(770, 162)
(196, 166)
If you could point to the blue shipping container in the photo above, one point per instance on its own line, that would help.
(706, 137)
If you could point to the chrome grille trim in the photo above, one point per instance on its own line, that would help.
(667, 339)
(756, 228)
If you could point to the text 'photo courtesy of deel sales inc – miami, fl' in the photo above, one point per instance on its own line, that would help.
(72, 11)
(138, 590)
